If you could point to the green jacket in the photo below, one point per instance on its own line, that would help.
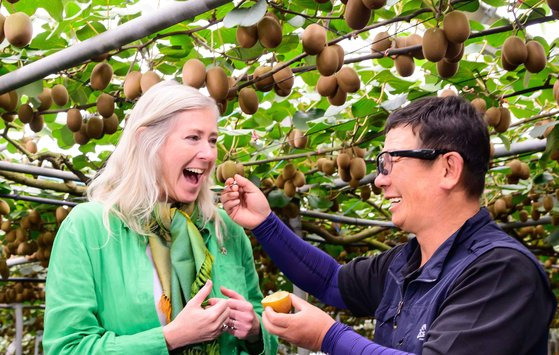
(99, 290)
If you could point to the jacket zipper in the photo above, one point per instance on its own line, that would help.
(398, 310)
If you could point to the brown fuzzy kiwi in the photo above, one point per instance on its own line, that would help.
(500, 207)
(381, 42)
(523, 216)
(338, 99)
(246, 36)
(548, 203)
(265, 84)
(110, 124)
(413, 40)
(328, 167)
(149, 79)
(343, 160)
(94, 128)
(328, 85)
(18, 29)
(80, 137)
(269, 32)
(289, 188)
(284, 77)
(358, 152)
(405, 65)
(514, 50)
(283, 92)
(353, 183)
(344, 174)
(240, 169)
(348, 80)
(341, 55)
(74, 119)
(132, 87)
(447, 92)
(4, 208)
(280, 181)
(8, 117)
(25, 113)
(506, 65)
(9, 100)
(327, 61)
(299, 179)
(374, 4)
(515, 166)
(480, 105)
(456, 27)
(298, 139)
(101, 76)
(535, 213)
(356, 14)
(248, 100)
(219, 173)
(194, 73)
(31, 146)
(357, 168)
(2, 21)
(59, 95)
(492, 116)
(37, 123)
(365, 192)
(536, 59)
(105, 105)
(313, 39)
(217, 83)
(446, 69)
(45, 99)
(228, 169)
(454, 52)
(524, 171)
(435, 44)
(504, 121)
(320, 163)
(289, 171)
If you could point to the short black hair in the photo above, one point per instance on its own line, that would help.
(450, 123)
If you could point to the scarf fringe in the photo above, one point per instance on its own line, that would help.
(165, 307)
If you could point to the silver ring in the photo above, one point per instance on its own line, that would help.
(224, 327)
(232, 326)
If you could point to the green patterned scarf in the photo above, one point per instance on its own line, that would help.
(183, 264)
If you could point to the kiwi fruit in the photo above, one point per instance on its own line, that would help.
(232, 92)
(381, 42)
(344, 175)
(343, 160)
(228, 169)
(374, 4)
(217, 83)
(492, 116)
(515, 166)
(506, 65)
(269, 32)
(281, 92)
(59, 95)
(446, 69)
(105, 105)
(80, 137)
(265, 84)
(280, 181)
(434, 44)
(456, 27)
(8, 117)
(536, 59)
(222, 106)
(298, 179)
(327, 61)
(341, 54)
(524, 171)
(9, 101)
(148, 79)
(338, 99)
(248, 100)
(132, 87)
(548, 203)
(356, 15)
(348, 80)
(194, 73)
(31, 146)
(365, 192)
(246, 36)
(94, 128)
(314, 39)
(535, 213)
(289, 171)
(219, 173)
(447, 92)
(454, 52)
(358, 151)
(25, 113)
(405, 65)
(504, 121)
(328, 167)
(284, 77)
(514, 50)
(480, 105)
(240, 169)
(320, 163)
(110, 124)
(45, 99)
(37, 123)
(327, 85)
(101, 76)
(500, 207)
(523, 216)
(357, 168)
(18, 29)
(289, 188)
(4, 208)
(74, 120)
(298, 139)
(2, 21)
(413, 40)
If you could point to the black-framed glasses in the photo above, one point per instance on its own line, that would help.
(384, 159)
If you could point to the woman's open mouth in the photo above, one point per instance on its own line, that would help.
(193, 175)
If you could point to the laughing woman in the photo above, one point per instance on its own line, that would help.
(150, 265)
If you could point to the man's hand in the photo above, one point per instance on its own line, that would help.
(244, 202)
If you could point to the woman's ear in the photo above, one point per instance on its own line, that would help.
(453, 165)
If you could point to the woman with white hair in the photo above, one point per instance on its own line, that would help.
(130, 270)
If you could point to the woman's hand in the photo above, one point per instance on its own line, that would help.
(243, 322)
(195, 324)
(244, 202)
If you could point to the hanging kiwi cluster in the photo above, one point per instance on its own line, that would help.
(351, 165)
(515, 52)
(228, 169)
(297, 139)
(518, 171)
(290, 179)
(268, 31)
(358, 12)
(326, 165)
(496, 117)
(136, 83)
(404, 63)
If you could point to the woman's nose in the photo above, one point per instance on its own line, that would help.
(381, 180)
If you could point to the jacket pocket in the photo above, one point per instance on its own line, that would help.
(232, 277)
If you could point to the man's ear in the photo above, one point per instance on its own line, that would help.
(453, 165)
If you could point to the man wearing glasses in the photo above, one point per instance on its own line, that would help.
(459, 286)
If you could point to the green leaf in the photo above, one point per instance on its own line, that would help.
(318, 202)
(245, 16)
(543, 178)
(31, 90)
(301, 118)
(55, 9)
(277, 199)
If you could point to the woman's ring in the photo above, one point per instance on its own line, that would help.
(224, 327)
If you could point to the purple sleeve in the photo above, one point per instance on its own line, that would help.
(341, 339)
(306, 266)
